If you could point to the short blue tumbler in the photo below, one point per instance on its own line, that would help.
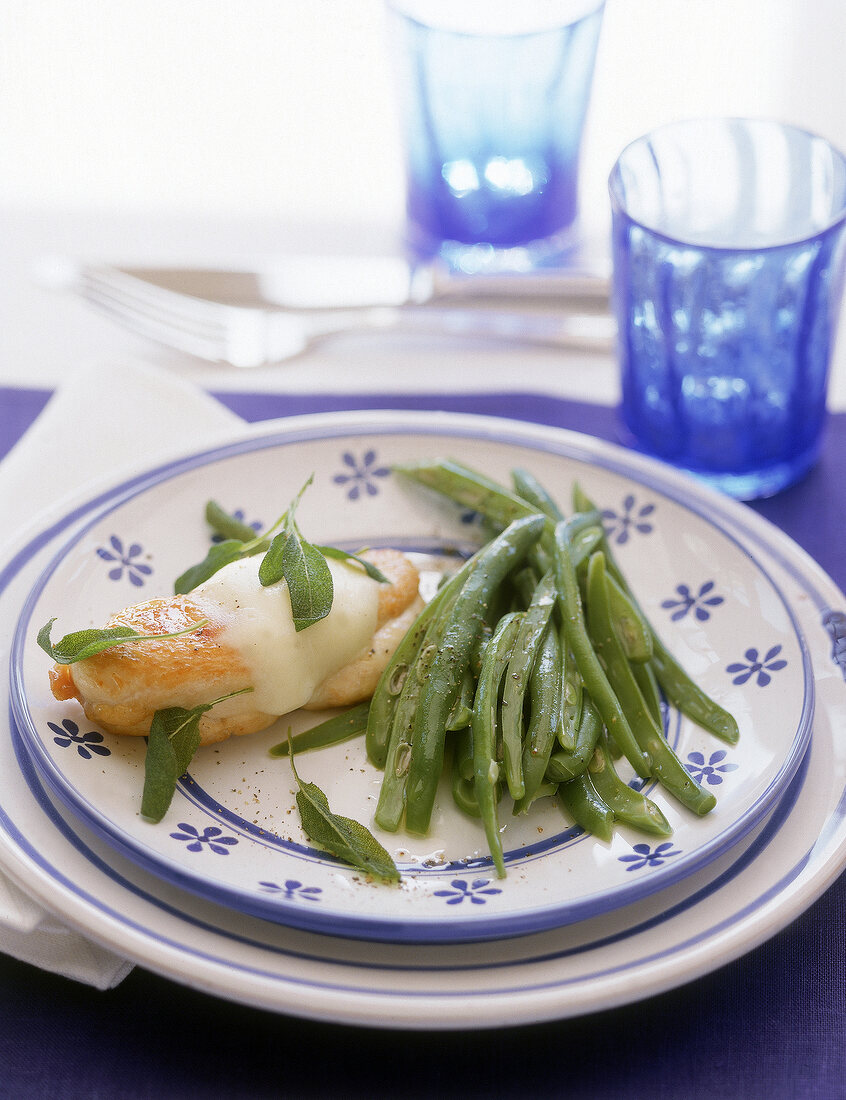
(728, 247)
(493, 99)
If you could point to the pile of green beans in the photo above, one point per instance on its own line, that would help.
(531, 671)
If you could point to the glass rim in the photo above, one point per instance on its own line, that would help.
(417, 12)
(619, 208)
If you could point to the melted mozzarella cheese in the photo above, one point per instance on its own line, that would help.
(287, 665)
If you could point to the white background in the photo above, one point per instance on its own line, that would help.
(197, 130)
(284, 108)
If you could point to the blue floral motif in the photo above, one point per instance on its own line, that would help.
(472, 891)
(363, 473)
(212, 836)
(707, 771)
(292, 890)
(240, 515)
(835, 624)
(759, 667)
(645, 857)
(688, 602)
(86, 743)
(136, 571)
(619, 525)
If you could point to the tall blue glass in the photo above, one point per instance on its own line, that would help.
(728, 248)
(493, 98)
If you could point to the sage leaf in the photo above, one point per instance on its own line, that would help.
(233, 548)
(173, 739)
(82, 644)
(226, 525)
(220, 554)
(288, 556)
(239, 541)
(306, 572)
(344, 555)
(161, 766)
(344, 837)
(271, 569)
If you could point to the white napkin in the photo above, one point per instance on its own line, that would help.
(107, 419)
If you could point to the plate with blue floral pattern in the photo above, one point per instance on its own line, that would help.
(232, 835)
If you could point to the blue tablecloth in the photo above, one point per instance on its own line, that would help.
(770, 1025)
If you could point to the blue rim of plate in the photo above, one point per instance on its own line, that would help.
(818, 861)
(770, 830)
(561, 442)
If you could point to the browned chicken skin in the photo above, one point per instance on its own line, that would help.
(121, 688)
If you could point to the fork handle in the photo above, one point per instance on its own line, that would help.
(591, 332)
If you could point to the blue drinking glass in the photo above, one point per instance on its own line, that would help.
(493, 98)
(728, 250)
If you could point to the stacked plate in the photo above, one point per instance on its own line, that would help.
(227, 893)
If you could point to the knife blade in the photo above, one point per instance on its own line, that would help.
(350, 282)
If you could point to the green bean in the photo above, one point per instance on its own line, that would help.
(580, 799)
(387, 692)
(528, 487)
(494, 562)
(478, 654)
(464, 795)
(524, 582)
(584, 528)
(501, 603)
(517, 679)
(582, 519)
(540, 556)
(585, 532)
(583, 542)
(340, 727)
(462, 783)
(392, 792)
(581, 502)
(462, 751)
(483, 727)
(546, 790)
(493, 501)
(469, 488)
(648, 684)
(689, 698)
(592, 673)
(564, 766)
(529, 490)
(628, 805)
(474, 490)
(390, 683)
(520, 697)
(545, 714)
(572, 692)
(666, 766)
(681, 691)
(612, 747)
(580, 522)
(462, 711)
(489, 530)
(632, 629)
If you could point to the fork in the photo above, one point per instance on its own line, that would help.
(245, 336)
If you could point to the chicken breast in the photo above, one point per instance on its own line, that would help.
(248, 641)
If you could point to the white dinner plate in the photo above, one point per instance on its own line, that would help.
(233, 834)
(696, 925)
